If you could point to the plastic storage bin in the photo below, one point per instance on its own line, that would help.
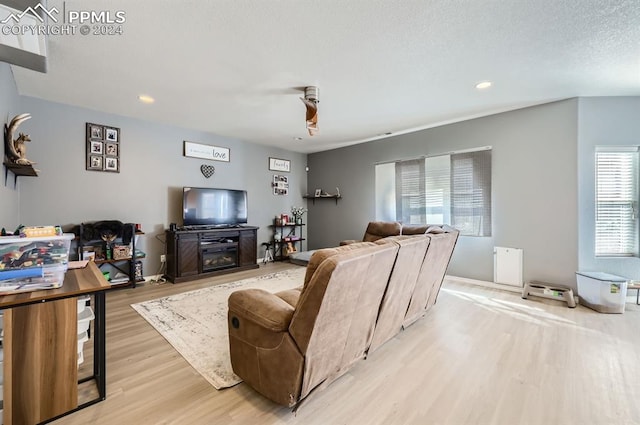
(82, 338)
(28, 264)
(84, 319)
(82, 303)
(602, 292)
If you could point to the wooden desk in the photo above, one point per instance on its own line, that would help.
(40, 348)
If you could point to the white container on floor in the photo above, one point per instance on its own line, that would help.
(602, 292)
(82, 338)
(82, 303)
(84, 319)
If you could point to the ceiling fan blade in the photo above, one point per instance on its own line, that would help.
(312, 126)
(312, 116)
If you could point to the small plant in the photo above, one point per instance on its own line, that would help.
(298, 212)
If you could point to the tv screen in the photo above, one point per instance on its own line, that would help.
(203, 206)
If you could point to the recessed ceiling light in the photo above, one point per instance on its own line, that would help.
(297, 138)
(483, 85)
(146, 99)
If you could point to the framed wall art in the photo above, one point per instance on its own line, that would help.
(277, 164)
(280, 185)
(202, 151)
(95, 131)
(103, 148)
(111, 164)
(96, 147)
(95, 162)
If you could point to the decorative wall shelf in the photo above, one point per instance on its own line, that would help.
(336, 197)
(18, 170)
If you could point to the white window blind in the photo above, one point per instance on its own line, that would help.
(452, 189)
(471, 193)
(616, 203)
(410, 193)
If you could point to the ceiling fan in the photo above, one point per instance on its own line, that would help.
(311, 99)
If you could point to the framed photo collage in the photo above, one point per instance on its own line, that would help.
(103, 148)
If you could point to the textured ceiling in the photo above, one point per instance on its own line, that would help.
(235, 67)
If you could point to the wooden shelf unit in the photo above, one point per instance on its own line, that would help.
(292, 236)
(129, 267)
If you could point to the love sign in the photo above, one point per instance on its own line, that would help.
(199, 150)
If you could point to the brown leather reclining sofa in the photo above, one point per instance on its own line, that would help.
(354, 298)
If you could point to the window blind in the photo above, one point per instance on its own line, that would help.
(471, 192)
(616, 203)
(452, 189)
(410, 193)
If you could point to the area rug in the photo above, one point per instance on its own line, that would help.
(195, 322)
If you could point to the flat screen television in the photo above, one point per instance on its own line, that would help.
(204, 206)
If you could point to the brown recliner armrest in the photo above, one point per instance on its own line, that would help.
(262, 308)
(262, 351)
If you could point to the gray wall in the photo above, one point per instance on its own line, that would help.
(534, 174)
(9, 197)
(603, 121)
(148, 189)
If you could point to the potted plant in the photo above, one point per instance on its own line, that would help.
(297, 213)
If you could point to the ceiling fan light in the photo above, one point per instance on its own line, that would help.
(312, 93)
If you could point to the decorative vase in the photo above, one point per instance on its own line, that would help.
(299, 220)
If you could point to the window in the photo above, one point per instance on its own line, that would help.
(616, 202)
(452, 189)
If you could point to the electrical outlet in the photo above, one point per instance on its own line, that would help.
(163, 258)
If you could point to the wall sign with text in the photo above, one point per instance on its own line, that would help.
(276, 164)
(199, 150)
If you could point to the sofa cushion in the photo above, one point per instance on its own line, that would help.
(421, 230)
(290, 296)
(431, 274)
(322, 254)
(381, 229)
(335, 317)
(400, 287)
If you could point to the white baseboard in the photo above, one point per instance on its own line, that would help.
(630, 298)
(484, 283)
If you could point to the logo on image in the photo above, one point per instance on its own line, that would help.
(39, 20)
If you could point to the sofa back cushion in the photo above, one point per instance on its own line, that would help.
(431, 274)
(335, 316)
(425, 229)
(412, 250)
(381, 229)
(322, 254)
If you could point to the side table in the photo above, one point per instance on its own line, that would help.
(40, 348)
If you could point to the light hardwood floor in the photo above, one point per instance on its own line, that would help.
(480, 356)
